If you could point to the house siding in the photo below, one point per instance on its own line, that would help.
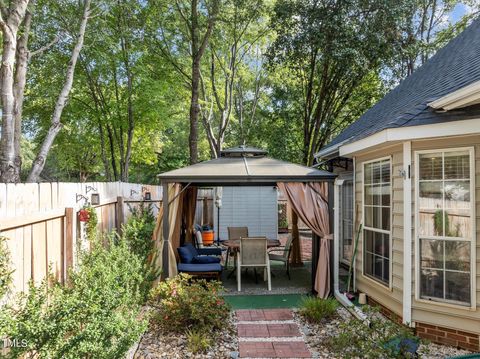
(435, 314)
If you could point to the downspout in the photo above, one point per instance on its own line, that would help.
(341, 297)
(407, 233)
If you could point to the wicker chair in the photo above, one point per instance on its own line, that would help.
(282, 253)
(253, 253)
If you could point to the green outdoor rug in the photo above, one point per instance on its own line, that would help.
(264, 301)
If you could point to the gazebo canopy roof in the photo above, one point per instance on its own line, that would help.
(242, 166)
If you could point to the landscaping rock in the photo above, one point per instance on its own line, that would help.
(157, 343)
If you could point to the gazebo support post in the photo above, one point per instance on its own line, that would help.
(166, 230)
(331, 209)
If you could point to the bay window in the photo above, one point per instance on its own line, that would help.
(376, 220)
(445, 225)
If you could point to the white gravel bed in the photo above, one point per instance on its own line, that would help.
(156, 343)
(317, 334)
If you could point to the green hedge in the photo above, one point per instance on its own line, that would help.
(96, 315)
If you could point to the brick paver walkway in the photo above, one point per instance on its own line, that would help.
(269, 333)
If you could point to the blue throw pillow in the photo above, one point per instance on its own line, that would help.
(205, 260)
(191, 248)
(185, 254)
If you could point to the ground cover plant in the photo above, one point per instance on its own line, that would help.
(316, 309)
(376, 337)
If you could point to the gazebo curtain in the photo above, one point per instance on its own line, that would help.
(310, 202)
(189, 206)
(173, 240)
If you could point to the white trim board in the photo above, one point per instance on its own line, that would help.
(466, 96)
(452, 128)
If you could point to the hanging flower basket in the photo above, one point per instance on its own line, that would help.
(84, 215)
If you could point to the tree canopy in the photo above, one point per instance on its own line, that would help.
(122, 90)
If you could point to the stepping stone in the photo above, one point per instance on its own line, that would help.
(252, 331)
(283, 330)
(258, 332)
(291, 350)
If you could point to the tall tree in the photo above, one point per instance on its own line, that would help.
(184, 29)
(11, 18)
(235, 56)
(332, 47)
(62, 99)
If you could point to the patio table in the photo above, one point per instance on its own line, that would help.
(233, 246)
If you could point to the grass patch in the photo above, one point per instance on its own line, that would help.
(316, 309)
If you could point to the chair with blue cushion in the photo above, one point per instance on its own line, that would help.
(199, 262)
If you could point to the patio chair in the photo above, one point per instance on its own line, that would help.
(282, 253)
(199, 262)
(235, 233)
(253, 253)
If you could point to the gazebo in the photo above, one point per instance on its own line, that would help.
(308, 190)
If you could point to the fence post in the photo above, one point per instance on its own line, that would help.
(68, 240)
(119, 214)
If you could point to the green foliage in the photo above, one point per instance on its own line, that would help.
(95, 316)
(186, 303)
(92, 223)
(371, 338)
(316, 309)
(138, 232)
(198, 341)
(5, 269)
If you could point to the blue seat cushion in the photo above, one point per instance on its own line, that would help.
(190, 267)
(205, 259)
(185, 254)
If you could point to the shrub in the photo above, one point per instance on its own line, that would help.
(138, 232)
(198, 341)
(5, 270)
(185, 303)
(315, 309)
(377, 337)
(94, 316)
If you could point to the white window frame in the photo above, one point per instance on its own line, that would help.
(390, 254)
(473, 240)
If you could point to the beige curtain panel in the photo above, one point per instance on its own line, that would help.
(173, 199)
(310, 203)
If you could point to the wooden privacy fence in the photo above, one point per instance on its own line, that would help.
(40, 222)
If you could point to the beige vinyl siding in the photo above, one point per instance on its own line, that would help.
(466, 319)
(382, 294)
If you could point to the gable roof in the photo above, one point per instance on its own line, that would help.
(453, 67)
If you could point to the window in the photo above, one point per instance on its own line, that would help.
(346, 224)
(376, 219)
(445, 222)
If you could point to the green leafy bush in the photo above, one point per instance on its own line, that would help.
(185, 303)
(5, 269)
(198, 341)
(138, 232)
(372, 338)
(315, 309)
(96, 315)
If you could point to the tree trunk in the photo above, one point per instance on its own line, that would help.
(8, 168)
(39, 162)
(194, 112)
(19, 89)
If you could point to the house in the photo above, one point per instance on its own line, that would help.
(409, 172)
